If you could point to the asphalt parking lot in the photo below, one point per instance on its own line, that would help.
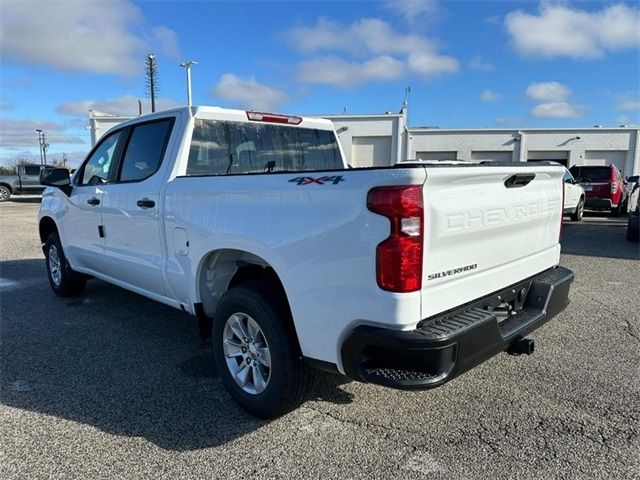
(112, 385)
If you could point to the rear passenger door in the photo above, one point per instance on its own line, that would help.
(131, 206)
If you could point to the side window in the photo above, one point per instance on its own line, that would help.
(32, 171)
(209, 153)
(96, 169)
(145, 150)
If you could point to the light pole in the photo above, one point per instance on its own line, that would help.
(40, 133)
(45, 147)
(187, 66)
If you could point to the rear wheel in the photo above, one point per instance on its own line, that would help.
(5, 193)
(256, 352)
(577, 215)
(617, 211)
(63, 280)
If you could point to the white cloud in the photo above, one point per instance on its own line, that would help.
(165, 40)
(89, 36)
(375, 52)
(628, 105)
(247, 93)
(559, 30)
(508, 122)
(555, 110)
(490, 96)
(125, 106)
(415, 12)
(428, 64)
(624, 120)
(548, 91)
(479, 63)
(341, 73)
(16, 133)
(6, 104)
(367, 35)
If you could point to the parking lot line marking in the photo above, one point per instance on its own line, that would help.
(8, 285)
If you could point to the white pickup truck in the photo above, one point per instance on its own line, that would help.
(402, 276)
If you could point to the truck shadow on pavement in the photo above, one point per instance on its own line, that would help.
(117, 361)
(598, 235)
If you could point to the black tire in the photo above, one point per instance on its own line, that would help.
(65, 282)
(577, 215)
(633, 234)
(290, 379)
(5, 193)
(617, 211)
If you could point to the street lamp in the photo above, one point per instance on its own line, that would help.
(187, 66)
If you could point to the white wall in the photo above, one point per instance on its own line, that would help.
(531, 143)
(468, 144)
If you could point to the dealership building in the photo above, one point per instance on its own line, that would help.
(386, 139)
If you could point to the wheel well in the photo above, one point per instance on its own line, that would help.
(224, 269)
(47, 226)
(7, 186)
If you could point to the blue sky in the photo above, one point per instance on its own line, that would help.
(469, 64)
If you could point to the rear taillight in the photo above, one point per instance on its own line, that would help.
(614, 187)
(399, 257)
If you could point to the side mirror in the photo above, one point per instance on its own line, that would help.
(55, 177)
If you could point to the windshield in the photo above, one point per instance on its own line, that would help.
(591, 174)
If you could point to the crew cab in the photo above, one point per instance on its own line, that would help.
(402, 276)
(25, 181)
(604, 187)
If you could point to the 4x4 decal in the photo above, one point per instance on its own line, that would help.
(335, 179)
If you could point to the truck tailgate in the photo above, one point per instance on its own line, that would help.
(485, 229)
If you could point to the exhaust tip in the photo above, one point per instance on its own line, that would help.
(524, 346)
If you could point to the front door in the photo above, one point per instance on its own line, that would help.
(83, 241)
(131, 206)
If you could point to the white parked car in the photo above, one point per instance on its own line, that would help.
(403, 276)
(574, 197)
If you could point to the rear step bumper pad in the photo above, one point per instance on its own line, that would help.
(449, 344)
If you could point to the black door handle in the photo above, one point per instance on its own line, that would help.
(146, 203)
(93, 201)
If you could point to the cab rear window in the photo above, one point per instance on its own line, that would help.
(226, 148)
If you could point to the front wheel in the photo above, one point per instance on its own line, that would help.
(256, 352)
(577, 215)
(63, 280)
(5, 193)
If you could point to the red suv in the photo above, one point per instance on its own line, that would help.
(603, 187)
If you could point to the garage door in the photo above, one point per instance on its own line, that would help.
(560, 156)
(605, 157)
(371, 151)
(431, 156)
(486, 156)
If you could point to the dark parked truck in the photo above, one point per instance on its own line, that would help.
(26, 180)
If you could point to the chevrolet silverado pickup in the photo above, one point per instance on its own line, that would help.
(403, 276)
